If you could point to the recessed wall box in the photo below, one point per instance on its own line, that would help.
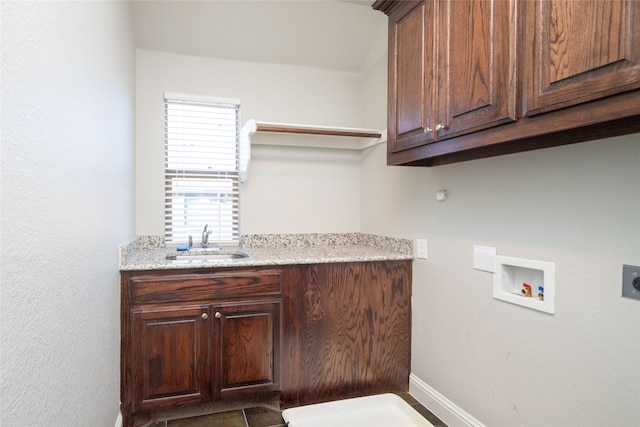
(525, 282)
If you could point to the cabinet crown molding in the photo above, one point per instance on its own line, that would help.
(388, 6)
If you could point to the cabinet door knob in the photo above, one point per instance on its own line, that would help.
(218, 315)
(204, 316)
(427, 129)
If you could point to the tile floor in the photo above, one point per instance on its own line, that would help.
(263, 417)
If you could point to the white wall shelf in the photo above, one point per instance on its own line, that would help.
(311, 136)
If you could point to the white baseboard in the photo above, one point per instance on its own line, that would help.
(451, 414)
(119, 420)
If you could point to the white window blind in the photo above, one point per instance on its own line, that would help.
(202, 185)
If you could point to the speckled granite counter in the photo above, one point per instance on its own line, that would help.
(149, 252)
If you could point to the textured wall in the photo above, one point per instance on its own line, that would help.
(577, 206)
(67, 204)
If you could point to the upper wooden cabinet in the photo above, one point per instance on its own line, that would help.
(451, 69)
(472, 79)
(580, 51)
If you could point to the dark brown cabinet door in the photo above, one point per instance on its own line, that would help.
(476, 65)
(411, 67)
(246, 347)
(578, 51)
(170, 357)
(452, 69)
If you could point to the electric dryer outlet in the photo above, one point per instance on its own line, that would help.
(631, 281)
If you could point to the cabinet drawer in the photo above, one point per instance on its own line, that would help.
(193, 287)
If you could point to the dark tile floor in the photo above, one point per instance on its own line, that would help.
(263, 417)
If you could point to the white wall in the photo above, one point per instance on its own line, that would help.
(67, 204)
(577, 206)
(289, 190)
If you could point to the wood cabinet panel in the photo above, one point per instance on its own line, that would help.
(476, 65)
(581, 51)
(411, 87)
(154, 288)
(355, 332)
(170, 357)
(410, 48)
(247, 359)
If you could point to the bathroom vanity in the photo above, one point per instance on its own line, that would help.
(284, 327)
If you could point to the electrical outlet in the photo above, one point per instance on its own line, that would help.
(631, 281)
(421, 248)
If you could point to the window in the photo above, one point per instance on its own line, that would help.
(202, 183)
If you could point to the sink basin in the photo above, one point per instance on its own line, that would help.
(207, 257)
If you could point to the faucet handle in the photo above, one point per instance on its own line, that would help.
(205, 236)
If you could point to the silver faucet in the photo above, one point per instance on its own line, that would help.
(205, 236)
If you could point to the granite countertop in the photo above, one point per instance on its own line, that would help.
(149, 252)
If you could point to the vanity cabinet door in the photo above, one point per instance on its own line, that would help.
(170, 356)
(579, 51)
(246, 348)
